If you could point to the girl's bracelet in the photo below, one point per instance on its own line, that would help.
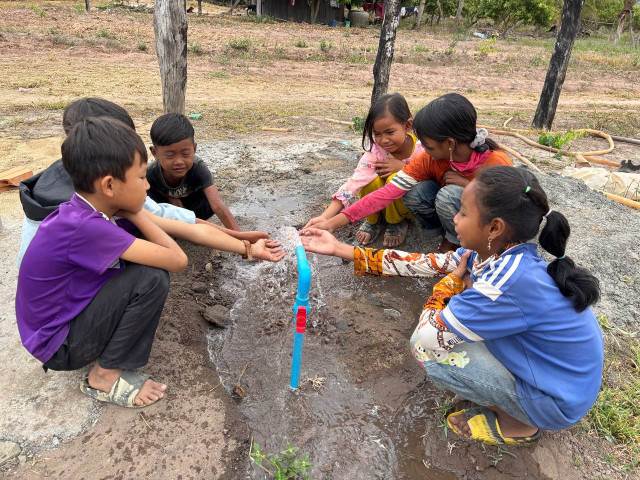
(247, 246)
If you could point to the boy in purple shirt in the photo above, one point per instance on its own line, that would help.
(76, 301)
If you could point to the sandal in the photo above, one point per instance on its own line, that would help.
(122, 393)
(396, 230)
(373, 229)
(484, 427)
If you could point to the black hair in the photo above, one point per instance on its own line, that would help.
(93, 107)
(100, 146)
(515, 196)
(171, 128)
(450, 116)
(393, 103)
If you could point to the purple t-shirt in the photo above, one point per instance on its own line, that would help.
(74, 253)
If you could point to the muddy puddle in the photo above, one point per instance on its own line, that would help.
(362, 407)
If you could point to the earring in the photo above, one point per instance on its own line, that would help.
(489, 244)
(450, 155)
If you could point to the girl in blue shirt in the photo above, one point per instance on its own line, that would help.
(503, 329)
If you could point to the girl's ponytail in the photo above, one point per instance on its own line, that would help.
(515, 196)
(573, 281)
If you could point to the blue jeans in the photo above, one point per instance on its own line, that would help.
(481, 378)
(434, 207)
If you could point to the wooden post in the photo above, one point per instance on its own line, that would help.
(569, 28)
(459, 13)
(382, 67)
(416, 26)
(170, 26)
(86, 5)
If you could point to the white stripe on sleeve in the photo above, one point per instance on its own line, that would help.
(487, 290)
(513, 268)
(455, 323)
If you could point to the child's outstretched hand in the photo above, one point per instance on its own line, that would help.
(318, 241)
(268, 250)
(314, 221)
(252, 236)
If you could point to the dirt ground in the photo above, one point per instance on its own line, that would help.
(271, 181)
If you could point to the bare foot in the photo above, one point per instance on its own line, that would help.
(363, 237)
(395, 234)
(447, 246)
(509, 426)
(391, 241)
(103, 379)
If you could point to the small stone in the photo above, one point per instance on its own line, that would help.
(22, 459)
(218, 315)
(225, 431)
(199, 287)
(208, 267)
(350, 323)
(358, 330)
(392, 312)
(8, 451)
(342, 325)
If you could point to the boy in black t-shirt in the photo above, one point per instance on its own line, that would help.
(178, 176)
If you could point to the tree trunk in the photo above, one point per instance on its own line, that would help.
(86, 5)
(440, 10)
(416, 26)
(199, 7)
(459, 13)
(170, 26)
(384, 58)
(314, 5)
(569, 28)
(234, 4)
(631, 28)
(626, 11)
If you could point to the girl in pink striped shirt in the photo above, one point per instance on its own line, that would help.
(390, 147)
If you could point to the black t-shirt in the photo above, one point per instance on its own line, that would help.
(197, 178)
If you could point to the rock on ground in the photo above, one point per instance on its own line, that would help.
(8, 451)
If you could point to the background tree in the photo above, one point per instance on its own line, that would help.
(569, 28)
(507, 13)
(459, 13)
(314, 5)
(170, 27)
(626, 12)
(384, 58)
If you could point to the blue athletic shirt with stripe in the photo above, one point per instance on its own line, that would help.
(554, 352)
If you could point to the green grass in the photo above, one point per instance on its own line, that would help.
(258, 19)
(105, 33)
(219, 74)
(615, 416)
(300, 44)
(325, 46)
(240, 43)
(142, 46)
(62, 40)
(194, 47)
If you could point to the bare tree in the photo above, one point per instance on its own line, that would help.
(459, 13)
(569, 28)
(314, 5)
(416, 26)
(170, 26)
(626, 12)
(384, 58)
(440, 10)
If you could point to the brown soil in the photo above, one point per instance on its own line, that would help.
(198, 433)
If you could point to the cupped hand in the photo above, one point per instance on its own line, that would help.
(454, 178)
(314, 221)
(253, 236)
(318, 241)
(461, 270)
(388, 166)
(267, 250)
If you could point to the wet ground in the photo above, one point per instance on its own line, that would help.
(364, 409)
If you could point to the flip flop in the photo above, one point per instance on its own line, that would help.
(372, 229)
(123, 392)
(396, 230)
(484, 427)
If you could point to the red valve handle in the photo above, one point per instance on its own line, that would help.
(301, 319)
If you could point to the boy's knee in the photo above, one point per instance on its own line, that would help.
(448, 199)
(157, 279)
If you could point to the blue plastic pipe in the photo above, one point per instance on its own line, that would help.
(300, 310)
